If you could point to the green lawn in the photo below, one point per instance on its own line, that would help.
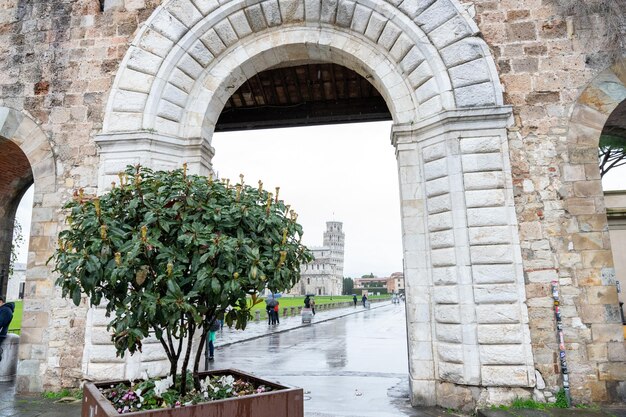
(16, 323)
(319, 299)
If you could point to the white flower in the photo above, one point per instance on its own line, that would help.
(161, 386)
(227, 380)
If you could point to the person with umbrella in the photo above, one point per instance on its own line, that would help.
(354, 300)
(270, 303)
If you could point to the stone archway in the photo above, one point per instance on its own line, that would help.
(34, 163)
(467, 321)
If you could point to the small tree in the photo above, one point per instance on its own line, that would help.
(168, 252)
(611, 152)
(348, 286)
(16, 244)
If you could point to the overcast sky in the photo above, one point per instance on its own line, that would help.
(337, 172)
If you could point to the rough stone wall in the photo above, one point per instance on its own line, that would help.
(558, 194)
(58, 62)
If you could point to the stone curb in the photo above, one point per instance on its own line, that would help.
(283, 330)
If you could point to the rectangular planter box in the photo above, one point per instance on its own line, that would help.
(284, 402)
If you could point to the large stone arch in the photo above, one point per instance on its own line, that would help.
(587, 230)
(27, 138)
(467, 320)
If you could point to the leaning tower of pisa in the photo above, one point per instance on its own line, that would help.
(334, 239)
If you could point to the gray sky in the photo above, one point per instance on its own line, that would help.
(336, 172)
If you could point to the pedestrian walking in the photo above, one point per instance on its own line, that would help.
(277, 313)
(270, 312)
(215, 326)
(307, 302)
(354, 299)
(312, 305)
(6, 316)
(364, 299)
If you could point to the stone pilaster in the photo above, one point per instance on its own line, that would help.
(462, 257)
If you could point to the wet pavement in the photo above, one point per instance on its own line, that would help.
(355, 365)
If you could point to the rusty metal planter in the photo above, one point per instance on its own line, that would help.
(283, 402)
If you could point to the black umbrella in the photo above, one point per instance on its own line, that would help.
(271, 302)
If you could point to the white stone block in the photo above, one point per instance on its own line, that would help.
(500, 334)
(475, 95)
(485, 198)
(491, 254)
(482, 162)
(420, 74)
(450, 352)
(451, 333)
(388, 37)
(345, 11)
(206, 6)
(401, 47)
(443, 257)
(445, 294)
(271, 12)
(200, 53)
(502, 355)
(451, 372)
(240, 24)
(447, 314)
(190, 66)
(483, 180)
(361, 18)
(129, 101)
(439, 204)
(498, 313)
(414, 7)
(152, 41)
(510, 376)
(181, 80)
(168, 26)
(444, 276)
(436, 169)
(496, 293)
(450, 32)
(431, 106)
(185, 11)
(465, 50)
(106, 371)
(437, 187)
(437, 14)
(470, 73)
(132, 80)
(175, 95)
(255, 17)
(488, 216)
(226, 32)
(124, 122)
(103, 354)
(443, 239)
(169, 111)
(143, 61)
(440, 221)
(489, 144)
(427, 90)
(432, 152)
(490, 235)
(213, 42)
(375, 26)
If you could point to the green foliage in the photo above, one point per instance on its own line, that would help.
(167, 252)
(348, 286)
(64, 393)
(519, 403)
(561, 400)
(16, 243)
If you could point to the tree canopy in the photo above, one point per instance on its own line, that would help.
(611, 152)
(168, 252)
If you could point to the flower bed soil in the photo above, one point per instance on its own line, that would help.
(282, 401)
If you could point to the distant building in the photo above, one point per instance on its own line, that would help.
(395, 283)
(324, 275)
(378, 285)
(17, 282)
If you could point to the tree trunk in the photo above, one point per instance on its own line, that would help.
(196, 362)
(190, 332)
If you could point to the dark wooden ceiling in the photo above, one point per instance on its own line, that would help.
(311, 94)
